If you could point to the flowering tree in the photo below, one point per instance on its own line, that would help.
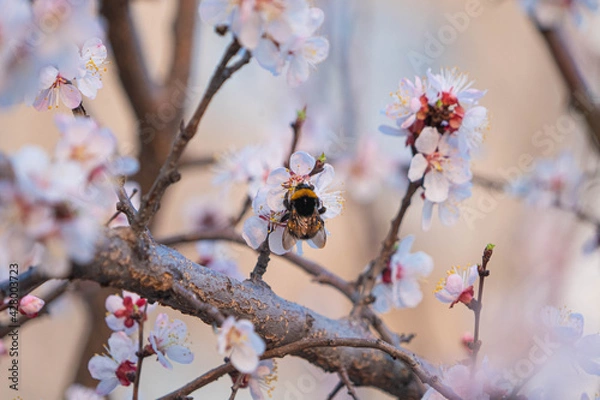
(85, 212)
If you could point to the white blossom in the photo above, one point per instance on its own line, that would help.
(398, 286)
(169, 339)
(118, 367)
(439, 163)
(238, 341)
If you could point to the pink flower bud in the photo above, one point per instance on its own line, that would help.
(31, 306)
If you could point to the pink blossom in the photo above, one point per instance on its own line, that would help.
(31, 305)
(125, 313)
(54, 88)
(457, 286)
(43, 204)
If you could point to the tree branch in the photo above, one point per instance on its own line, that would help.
(314, 344)
(321, 274)
(183, 41)
(335, 390)
(344, 378)
(580, 94)
(376, 267)
(154, 274)
(48, 299)
(28, 281)
(126, 48)
(168, 172)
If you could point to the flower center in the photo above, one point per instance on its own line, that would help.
(126, 373)
(235, 337)
(132, 312)
(435, 161)
(386, 275)
(445, 115)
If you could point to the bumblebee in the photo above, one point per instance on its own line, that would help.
(304, 220)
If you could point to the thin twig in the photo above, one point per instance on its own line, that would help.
(116, 214)
(138, 372)
(236, 386)
(376, 267)
(293, 348)
(168, 173)
(125, 205)
(296, 133)
(263, 260)
(200, 382)
(344, 377)
(335, 390)
(80, 111)
(380, 327)
(48, 299)
(478, 304)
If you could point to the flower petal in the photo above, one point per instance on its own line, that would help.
(417, 168)
(315, 49)
(436, 186)
(428, 140)
(70, 96)
(102, 367)
(302, 163)
(427, 215)
(276, 242)
(408, 293)
(255, 231)
(180, 354)
(106, 386)
(244, 359)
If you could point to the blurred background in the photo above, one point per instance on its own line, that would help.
(538, 259)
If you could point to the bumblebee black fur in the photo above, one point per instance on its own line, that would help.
(304, 217)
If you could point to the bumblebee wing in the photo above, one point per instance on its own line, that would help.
(289, 240)
(320, 238)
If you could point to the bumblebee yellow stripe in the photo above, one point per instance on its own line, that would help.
(303, 193)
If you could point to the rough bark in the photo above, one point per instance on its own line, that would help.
(154, 271)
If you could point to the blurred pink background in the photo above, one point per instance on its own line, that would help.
(538, 257)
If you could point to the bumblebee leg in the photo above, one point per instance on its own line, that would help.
(322, 210)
